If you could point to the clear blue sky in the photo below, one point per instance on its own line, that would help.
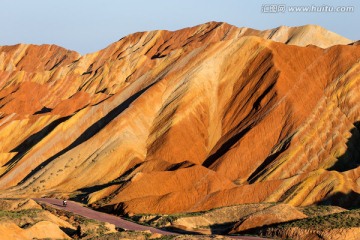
(90, 25)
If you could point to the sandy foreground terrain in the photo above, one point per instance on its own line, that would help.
(26, 219)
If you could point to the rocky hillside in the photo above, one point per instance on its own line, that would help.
(184, 121)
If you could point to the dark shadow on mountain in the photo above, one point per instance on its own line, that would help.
(257, 173)
(102, 91)
(158, 55)
(176, 166)
(103, 100)
(222, 228)
(92, 130)
(32, 140)
(282, 147)
(84, 192)
(69, 231)
(26, 226)
(225, 147)
(58, 63)
(37, 137)
(257, 103)
(228, 144)
(96, 188)
(43, 110)
(351, 158)
(82, 197)
(349, 200)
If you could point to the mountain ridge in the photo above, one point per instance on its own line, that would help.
(203, 117)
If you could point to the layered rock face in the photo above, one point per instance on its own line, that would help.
(203, 117)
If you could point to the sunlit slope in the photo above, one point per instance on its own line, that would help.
(189, 120)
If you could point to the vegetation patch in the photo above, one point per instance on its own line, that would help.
(320, 210)
(346, 219)
(31, 213)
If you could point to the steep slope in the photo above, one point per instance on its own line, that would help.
(189, 120)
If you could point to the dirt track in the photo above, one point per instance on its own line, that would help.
(117, 221)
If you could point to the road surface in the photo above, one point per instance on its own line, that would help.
(76, 208)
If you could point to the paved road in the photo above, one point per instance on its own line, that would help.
(76, 208)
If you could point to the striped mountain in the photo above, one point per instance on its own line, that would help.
(184, 121)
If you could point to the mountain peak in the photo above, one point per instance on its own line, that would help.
(184, 121)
